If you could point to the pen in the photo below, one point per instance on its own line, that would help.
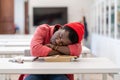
(35, 59)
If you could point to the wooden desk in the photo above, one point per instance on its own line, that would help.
(15, 40)
(15, 43)
(84, 65)
(14, 36)
(13, 50)
(85, 51)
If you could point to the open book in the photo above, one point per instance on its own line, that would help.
(56, 58)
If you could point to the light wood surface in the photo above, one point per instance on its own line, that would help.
(11, 44)
(84, 65)
(13, 50)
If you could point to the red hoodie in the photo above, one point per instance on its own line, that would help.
(42, 36)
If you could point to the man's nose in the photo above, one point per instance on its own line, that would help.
(58, 41)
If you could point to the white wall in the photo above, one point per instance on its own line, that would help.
(19, 14)
(76, 8)
(103, 46)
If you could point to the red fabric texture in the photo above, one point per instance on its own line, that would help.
(21, 77)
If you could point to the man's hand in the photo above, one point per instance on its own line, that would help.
(53, 52)
(57, 50)
(50, 45)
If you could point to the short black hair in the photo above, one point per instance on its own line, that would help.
(72, 34)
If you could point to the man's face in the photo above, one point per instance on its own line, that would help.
(61, 38)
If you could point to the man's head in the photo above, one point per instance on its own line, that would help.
(70, 34)
(78, 28)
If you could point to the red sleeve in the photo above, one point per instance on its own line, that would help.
(75, 49)
(37, 47)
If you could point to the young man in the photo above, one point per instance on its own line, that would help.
(56, 40)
